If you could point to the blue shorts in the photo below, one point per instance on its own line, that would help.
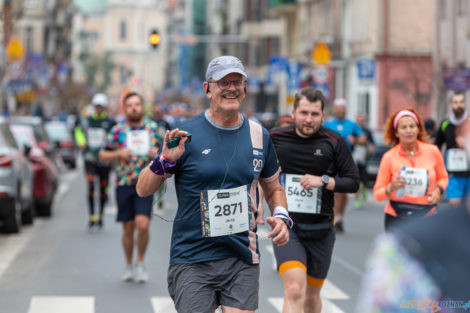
(458, 188)
(130, 204)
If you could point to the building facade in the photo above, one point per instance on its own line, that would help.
(118, 54)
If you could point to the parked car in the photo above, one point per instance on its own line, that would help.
(374, 158)
(40, 133)
(60, 135)
(46, 174)
(16, 183)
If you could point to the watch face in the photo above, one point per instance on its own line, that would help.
(325, 179)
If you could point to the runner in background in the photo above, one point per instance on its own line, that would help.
(353, 134)
(456, 160)
(360, 154)
(412, 175)
(131, 144)
(90, 135)
(285, 120)
(421, 266)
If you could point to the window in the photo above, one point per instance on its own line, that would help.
(364, 103)
(29, 39)
(123, 30)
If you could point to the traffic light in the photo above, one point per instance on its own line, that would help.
(154, 39)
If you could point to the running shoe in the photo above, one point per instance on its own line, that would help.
(140, 275)
(91, 226)
(127, 275)
(339, 227)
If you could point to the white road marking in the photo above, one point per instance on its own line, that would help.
(328, 306)
(65, 181)
(273, 258)
(110, 209)
(276, 302)
(330, 291)
(63, 187)
(165, 305)
(12, 245)
(62, 304)
(162, 305)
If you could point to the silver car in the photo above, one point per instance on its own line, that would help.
(16, 183)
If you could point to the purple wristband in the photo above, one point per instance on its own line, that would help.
(286, 218)
(160, 164)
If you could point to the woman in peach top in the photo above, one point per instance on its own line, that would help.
(424, 178)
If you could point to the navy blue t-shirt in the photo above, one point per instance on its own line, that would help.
(249, 155)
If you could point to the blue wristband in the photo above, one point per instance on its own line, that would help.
(160, 164)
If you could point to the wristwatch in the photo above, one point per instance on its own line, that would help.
(325, 180)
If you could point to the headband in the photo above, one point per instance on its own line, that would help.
(401, 114)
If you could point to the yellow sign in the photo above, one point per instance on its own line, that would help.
(321, 54)
(289, 100)
(15, 50)
(27, 96)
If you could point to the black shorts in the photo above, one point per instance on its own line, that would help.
(313, 255)
(202, 287)
(363, 176)
(130, 204)
(97, 169)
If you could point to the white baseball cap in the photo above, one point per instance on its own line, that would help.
(100, 99)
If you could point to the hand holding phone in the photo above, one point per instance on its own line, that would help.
(172, 150)
(175, 142)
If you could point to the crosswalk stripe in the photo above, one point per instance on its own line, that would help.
(327, 307)
(62, 304)
(56, 304)
(162, 305)
(330, 291)
(165, 305)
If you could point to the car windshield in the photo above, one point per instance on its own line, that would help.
(23, 135)
(57, 131)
